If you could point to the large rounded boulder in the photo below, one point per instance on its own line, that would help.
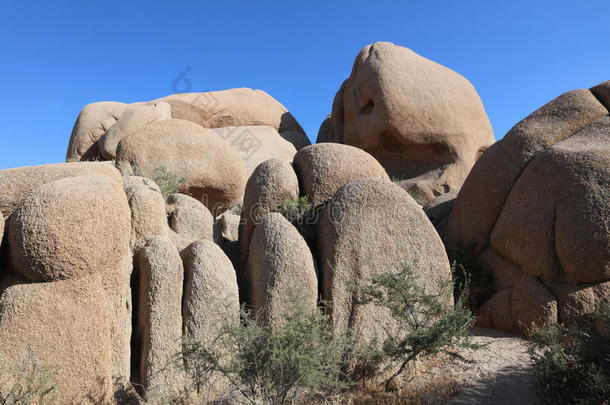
(424, 122)
(281, 270)
(159, 319)
(371, 227)
(58, 332)
(134, 118)
(323, 168)
(233, 107)
(535, 207)
(213, 172)
(92, 122)
(256, 144)
(148, 210)
(211, 297)
(272, 183)
(17, 182)
(191, 219)
(70, 228)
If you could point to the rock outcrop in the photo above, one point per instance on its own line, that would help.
(159, 329)
(147, 210)
(281, 270)
(233, 107)
(53, 234)
(323, 168)
(256, 144)
(59, 331)
(536, 206)
(211, 297)
(191, 219)
(424, 122)
(134, 118)
(214, 173)
(18, 182)
(272, 183)
(370, 227)
(92, 123)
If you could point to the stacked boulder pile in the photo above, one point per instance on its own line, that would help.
(103, 271)
(534, 212)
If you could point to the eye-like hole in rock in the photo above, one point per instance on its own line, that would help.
(368, 107)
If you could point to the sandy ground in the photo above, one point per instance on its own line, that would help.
(499, 374)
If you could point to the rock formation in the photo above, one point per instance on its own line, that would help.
(534, 212)
(423, 122)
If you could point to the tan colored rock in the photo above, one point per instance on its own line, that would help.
(369, 227)
(576, 302)
(496, 312)
(229, 223)
(179, 242)
(92, 122)
(159, 328)
(191, 219)
(117, 288)
(233, 107)
(256, 144)
(532, 305)
(211, 296)
(491, 179)
(422, 121)
(551, 123)
(134, 118)
(147, 210)
(504, 273)
(439, 209)
(62, 325)
(214, 172)
(272, 183)
(16, 183)
(602, 92)
(281, 270)
(323, 168)
(554, 223)
(70, 228)
(1, 229)
(535, 205)
(481, 196)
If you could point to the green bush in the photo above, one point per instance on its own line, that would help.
(428, 323)
(571, 364)
(472, 284)
(167, 181)
(236, 209)
(297, 357)
(419, 196)
(296, 211)
(27, 383)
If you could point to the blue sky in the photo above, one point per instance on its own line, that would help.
(58, 56)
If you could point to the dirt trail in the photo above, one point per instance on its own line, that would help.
(500, 374)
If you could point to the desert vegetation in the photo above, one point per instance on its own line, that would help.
(302, 359)
(571, 363)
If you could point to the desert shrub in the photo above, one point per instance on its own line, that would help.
(296, 211)
(167, 181)
(472, 284)
(419, 196)
(272, 366)
(427, 323)
(236, 209)
(602, 314)
(27, 383)
(571, 364)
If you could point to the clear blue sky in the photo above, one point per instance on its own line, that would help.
(56, 57)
